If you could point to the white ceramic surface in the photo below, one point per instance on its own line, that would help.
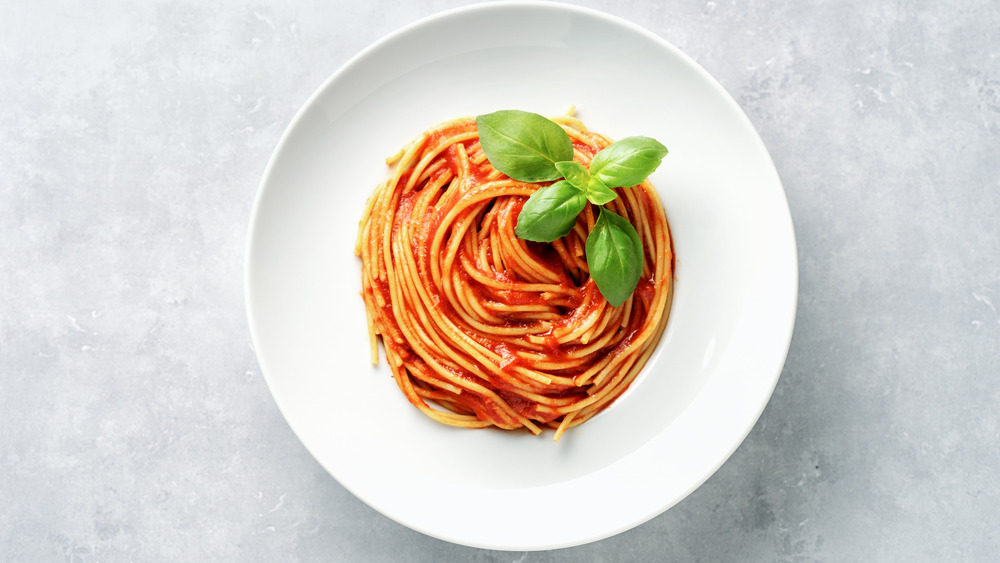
(701, 392)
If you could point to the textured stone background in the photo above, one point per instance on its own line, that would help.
(135, 424)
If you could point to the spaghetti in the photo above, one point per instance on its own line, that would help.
(481, 328)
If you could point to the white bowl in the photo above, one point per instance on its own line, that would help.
(700, 393)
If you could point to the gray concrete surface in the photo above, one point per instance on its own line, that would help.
(134, 421)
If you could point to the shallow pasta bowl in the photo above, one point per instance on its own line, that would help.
(702, 390)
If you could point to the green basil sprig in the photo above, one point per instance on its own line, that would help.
(550, 213)
(528, 147)
(614, 255)
(522, 146)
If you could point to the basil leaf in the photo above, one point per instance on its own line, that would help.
(550, 213)
(614, 255)
(598, 193)
(575, 173)
(524, 145)
(627, 162)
